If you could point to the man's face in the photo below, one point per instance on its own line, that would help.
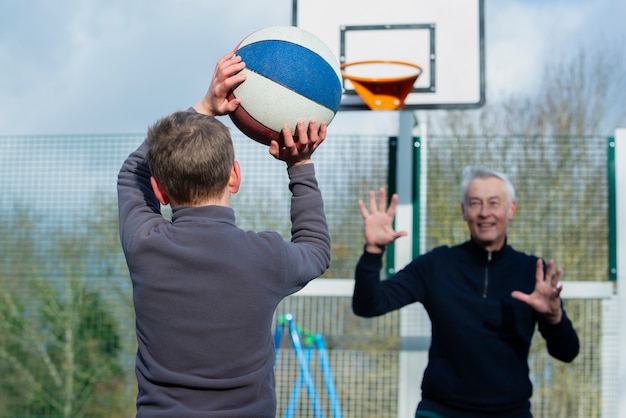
(487, 212)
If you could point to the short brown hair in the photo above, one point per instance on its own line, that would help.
(191, 155)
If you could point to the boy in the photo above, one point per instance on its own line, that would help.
(205, 291)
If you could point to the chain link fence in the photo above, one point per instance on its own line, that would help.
(66, 322)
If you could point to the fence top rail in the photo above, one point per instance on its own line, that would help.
(571, 290)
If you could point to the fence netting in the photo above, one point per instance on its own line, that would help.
(67, 337)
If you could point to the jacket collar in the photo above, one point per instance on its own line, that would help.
(481, 252)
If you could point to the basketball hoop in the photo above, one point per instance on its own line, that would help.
(386, 92)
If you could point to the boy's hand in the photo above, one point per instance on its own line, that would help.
(298, 150)
(226, 76)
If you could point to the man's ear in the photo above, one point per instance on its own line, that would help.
(512, 209)
(234, 180)
(159, 192)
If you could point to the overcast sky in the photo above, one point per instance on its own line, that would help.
(115, 66)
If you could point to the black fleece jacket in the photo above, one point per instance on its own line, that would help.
(481, 336)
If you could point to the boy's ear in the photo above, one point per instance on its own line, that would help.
(235, 178)
(159, 192)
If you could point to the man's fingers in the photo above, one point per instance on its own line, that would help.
(391, 210)
(382, 199)
(557, 289)
(363, 209)
(521, 296)
(372, 198)
(539, 271)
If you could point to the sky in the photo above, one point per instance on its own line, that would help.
(115, 66)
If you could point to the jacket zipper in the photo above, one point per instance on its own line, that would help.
(487, 275)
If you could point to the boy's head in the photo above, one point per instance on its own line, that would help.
(191, 157)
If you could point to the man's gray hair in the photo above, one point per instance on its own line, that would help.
(471, 173)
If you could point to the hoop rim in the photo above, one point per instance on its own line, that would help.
(380, 79)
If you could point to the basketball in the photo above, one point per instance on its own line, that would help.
(291, 75)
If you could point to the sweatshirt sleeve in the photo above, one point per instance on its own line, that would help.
(367, 285)
(561, 339)
(139, 209)
(309, 230)
(373, 296)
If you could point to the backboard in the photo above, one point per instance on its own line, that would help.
(444, 37)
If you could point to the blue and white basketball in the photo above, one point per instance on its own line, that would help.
(291, 75)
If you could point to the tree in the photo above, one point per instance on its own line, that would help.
(60, 347)
(579, 94)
